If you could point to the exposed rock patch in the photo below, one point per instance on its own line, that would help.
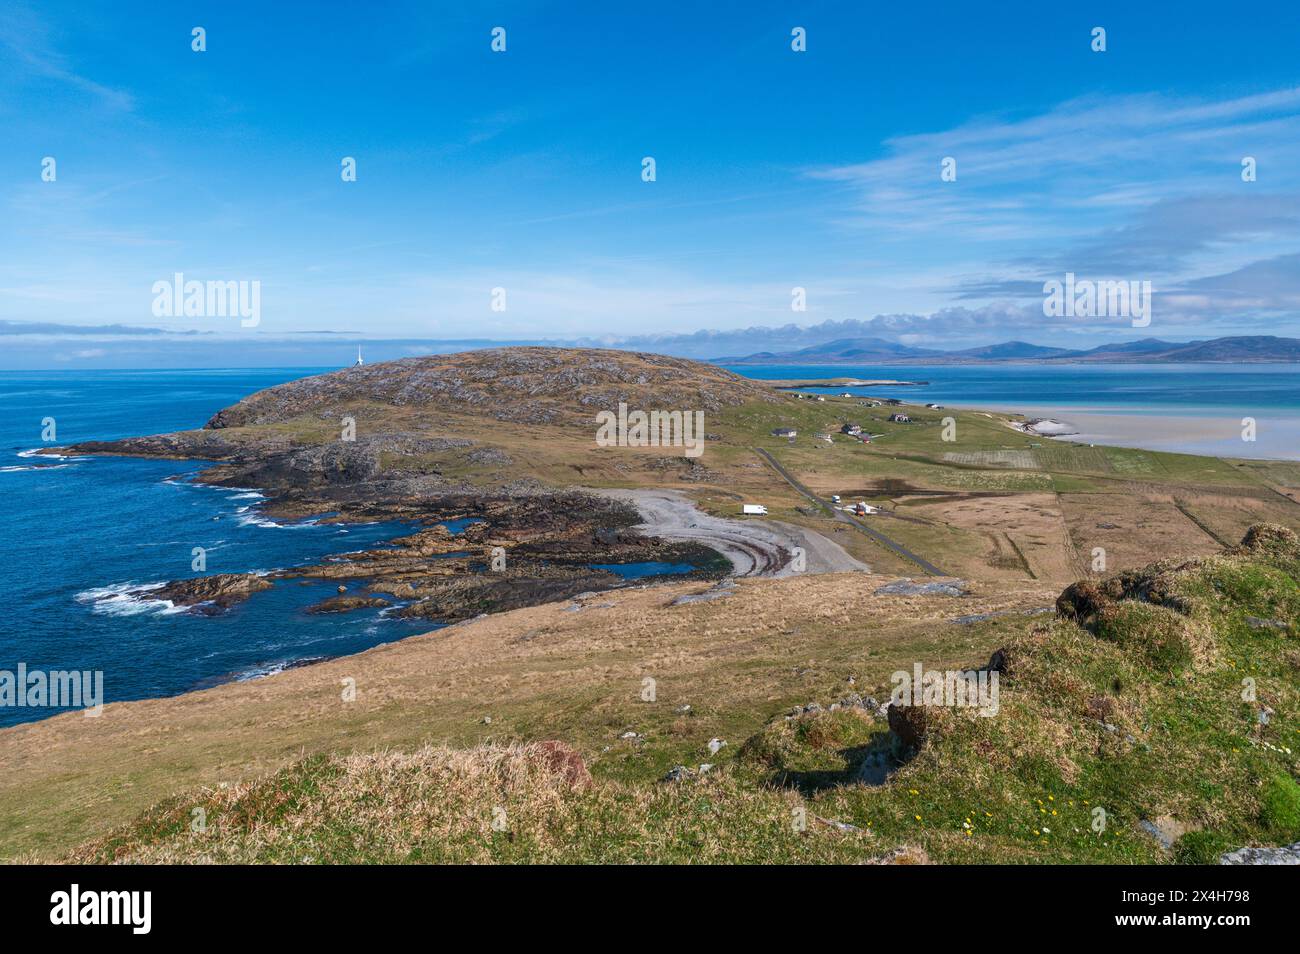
(1288, 855)
(912, 588)
(208, 594)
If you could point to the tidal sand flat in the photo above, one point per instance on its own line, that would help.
(1214, 433)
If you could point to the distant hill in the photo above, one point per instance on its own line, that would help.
(864, 349)
(1237, 349)
(1141, 346)
(841, 349)
(1013, 351)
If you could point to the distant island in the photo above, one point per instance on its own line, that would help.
(1236, 350)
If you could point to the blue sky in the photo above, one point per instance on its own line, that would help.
(522, 169)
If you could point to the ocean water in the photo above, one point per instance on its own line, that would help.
(76, 533)
(638, 571)
(1155, 389)
(1190, 409)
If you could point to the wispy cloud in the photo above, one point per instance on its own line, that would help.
(31, 41)
(1135, 186)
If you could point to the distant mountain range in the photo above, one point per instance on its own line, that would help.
(1242, 348)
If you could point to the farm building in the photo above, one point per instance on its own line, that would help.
(784, 432)
(900, 419)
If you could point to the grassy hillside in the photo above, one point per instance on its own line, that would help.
(572, 670)
(1165, 699)
(1130, 700)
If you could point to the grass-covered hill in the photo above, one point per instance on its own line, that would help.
(1154, 718)
(528, 385)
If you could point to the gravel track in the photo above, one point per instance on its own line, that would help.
(755, 547)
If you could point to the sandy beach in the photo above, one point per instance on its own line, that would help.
(1213, 433)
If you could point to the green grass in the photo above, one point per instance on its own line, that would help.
(1138, 713)
(1281, 806)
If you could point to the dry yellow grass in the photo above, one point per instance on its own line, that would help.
(542, 672)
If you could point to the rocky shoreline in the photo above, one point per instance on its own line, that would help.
(512, 553)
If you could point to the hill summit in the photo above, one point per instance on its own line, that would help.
(530, 385)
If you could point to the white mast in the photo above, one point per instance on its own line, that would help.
(359, 361)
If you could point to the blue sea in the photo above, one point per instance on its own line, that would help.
(1157, 389)
(77, 533)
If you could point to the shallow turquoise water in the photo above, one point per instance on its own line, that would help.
(1129, 388)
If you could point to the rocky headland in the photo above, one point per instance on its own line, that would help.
(419, 441)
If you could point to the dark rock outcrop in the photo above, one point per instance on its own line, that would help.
(209, 593)
(345, 604)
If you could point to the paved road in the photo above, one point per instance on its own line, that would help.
(840, 515)
(754, 547)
